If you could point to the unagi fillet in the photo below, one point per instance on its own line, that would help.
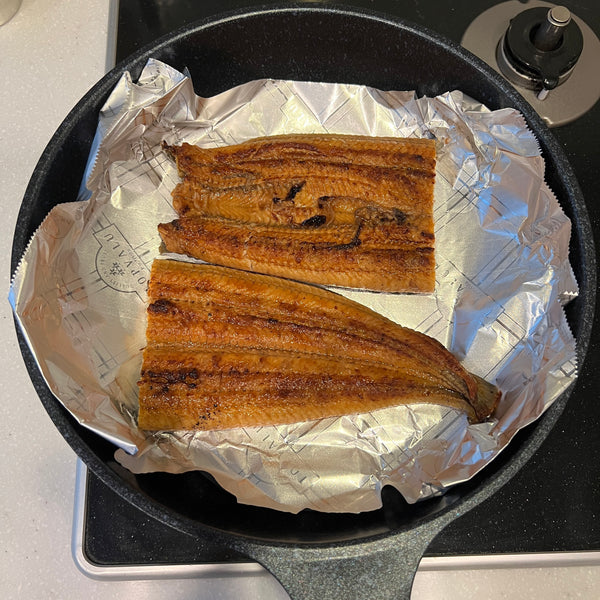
(263, 205)
(227, 348)
(361, 257)
(410, 153)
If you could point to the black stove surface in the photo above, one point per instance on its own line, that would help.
(552, 504)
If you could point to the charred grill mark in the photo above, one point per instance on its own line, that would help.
(314, 222)
(399, 216)
(294, 190)
(161, 306)
(353, 243)
(292, 193)
(188, 377)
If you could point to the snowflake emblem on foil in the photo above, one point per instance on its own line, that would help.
(116, 269)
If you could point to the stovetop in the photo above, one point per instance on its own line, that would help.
(550, 506)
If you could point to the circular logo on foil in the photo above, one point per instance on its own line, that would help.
(118, 264)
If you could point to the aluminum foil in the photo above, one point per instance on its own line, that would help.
(502, 279)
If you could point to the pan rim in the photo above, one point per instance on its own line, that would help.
(69, 427)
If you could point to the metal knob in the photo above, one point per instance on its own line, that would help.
(530, 68)
(549, 34)
(540, 48)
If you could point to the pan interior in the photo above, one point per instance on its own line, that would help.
(309, 45)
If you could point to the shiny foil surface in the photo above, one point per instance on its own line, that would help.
(502, 279)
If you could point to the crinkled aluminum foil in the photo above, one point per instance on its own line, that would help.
(503, 277)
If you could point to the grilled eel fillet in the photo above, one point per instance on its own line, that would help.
(227, 348)
(352, 211)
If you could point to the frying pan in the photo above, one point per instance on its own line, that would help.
(313, 555)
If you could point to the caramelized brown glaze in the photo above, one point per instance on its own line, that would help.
(226, 348)
(351, 211)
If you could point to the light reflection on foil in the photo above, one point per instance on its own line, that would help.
(502, 277)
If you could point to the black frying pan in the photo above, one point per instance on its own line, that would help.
(314, 555)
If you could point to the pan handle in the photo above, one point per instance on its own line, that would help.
(378, 568)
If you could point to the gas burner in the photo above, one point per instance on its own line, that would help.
(548, 54)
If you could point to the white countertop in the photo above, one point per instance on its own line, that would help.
(51, 53)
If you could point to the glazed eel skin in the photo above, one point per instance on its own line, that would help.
(351, 211)
(227, 348)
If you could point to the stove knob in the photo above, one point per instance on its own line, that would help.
(549, 33)
(540, 49)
